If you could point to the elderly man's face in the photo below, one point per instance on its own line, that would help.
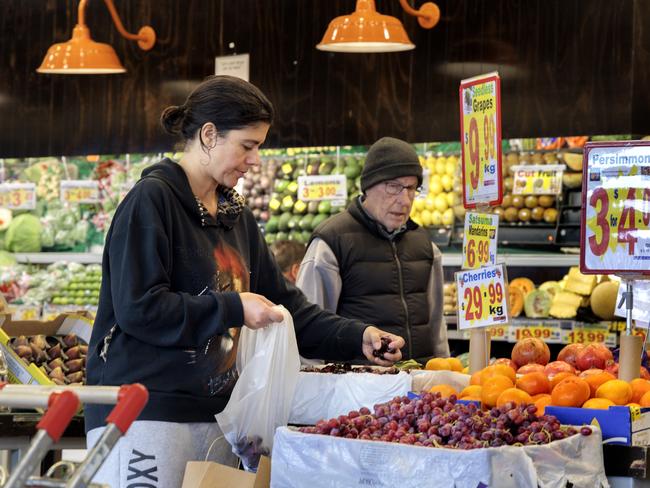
(390, 202)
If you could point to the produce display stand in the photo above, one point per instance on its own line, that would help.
(62, 403)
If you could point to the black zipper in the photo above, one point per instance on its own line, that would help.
(401, 295)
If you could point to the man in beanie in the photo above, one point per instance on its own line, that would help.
(372, 262)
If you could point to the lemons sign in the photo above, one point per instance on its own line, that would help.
(482, 300)
(480, 129)
(615, 230)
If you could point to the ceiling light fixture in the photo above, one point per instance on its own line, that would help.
(367, 31)
(83, 56)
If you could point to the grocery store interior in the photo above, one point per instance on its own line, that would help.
(571, 74)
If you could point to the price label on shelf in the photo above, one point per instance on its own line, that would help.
(615, 219)
(538, 179)
(80, 191)
(322, 187)
(499, 332)
(480, 240)
(583, 335)
(480, 129)
(25, 312)
(482, 297)
(549, 334)
(18, 196)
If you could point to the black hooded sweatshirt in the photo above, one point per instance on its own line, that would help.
(169, 311)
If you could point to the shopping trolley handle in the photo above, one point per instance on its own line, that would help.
(61, 408)
(131, 399)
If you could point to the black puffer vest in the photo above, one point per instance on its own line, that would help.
(384, 281)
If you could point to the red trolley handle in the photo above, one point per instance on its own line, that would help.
(61, 408)
(130, 401)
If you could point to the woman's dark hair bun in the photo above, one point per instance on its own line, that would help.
(172, 119)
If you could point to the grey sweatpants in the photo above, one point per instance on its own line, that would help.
(153, 454)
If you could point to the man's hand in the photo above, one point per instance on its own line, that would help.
(372, 341)
(258, 311)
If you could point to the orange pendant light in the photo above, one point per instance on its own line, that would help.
(82, 55)
(367, 31)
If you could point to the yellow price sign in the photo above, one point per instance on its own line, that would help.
(325, 187)
(481, 297)
(18, 195)
(615, 231)
(538, 179)
(585, 335)
(547, 334)
(480, 124)
(480, 240)
(80, 191)
(498, 333)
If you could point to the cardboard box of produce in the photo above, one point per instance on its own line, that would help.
(18, 371)
(619, 425)
(201, 474)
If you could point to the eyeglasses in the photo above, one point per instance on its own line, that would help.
(394, 189)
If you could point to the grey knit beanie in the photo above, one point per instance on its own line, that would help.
(389, 158)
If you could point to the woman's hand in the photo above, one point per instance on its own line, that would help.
(372, 341)
(258, 311)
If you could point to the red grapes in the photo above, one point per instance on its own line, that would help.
(434, 421)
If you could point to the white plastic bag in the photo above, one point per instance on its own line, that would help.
(268, 366)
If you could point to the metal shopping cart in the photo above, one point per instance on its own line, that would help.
(62, 402)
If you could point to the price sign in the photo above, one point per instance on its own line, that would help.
(482, 300)
(80, 191)
(322, 187)
(615, 219)
(25, 312)
(480, 129)
(498, 333)
(18, 196)
(538, 179)
(585, 335)
(480, 240)
(641, 309)
(552, 335)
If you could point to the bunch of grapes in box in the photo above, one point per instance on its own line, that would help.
(60, 358)
(292, 218)
(537, 209)
(442, 204)
(258, 185)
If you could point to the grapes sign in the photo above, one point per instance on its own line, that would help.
(480, 129)
(482, 297)
(615, 218)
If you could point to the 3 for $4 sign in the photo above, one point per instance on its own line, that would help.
(482, 300)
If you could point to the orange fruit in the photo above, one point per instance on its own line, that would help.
(559, 377)
(598, 403)
(475, 379)
(645, 400)
(541, 401)
(570, 392)
(455, 364)
(437, 364)
(595, 380)
(465, 370)
(498, 370)
(639, 388)
(632, 404)
(515, 396)
(445, 390)
(492, 387)
(534, 383)
(470, 391)
(618, 391)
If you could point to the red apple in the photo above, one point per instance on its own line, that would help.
(611, 366)
(569, 353)
(531, 350)
(531, 368)
(556, 367)
(594, 355)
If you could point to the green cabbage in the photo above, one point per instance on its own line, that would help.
(24, 234)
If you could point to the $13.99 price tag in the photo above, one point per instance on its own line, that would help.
(615, 230)
(482, 297)
(480, 129)
(480, 240)
(322, 187)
